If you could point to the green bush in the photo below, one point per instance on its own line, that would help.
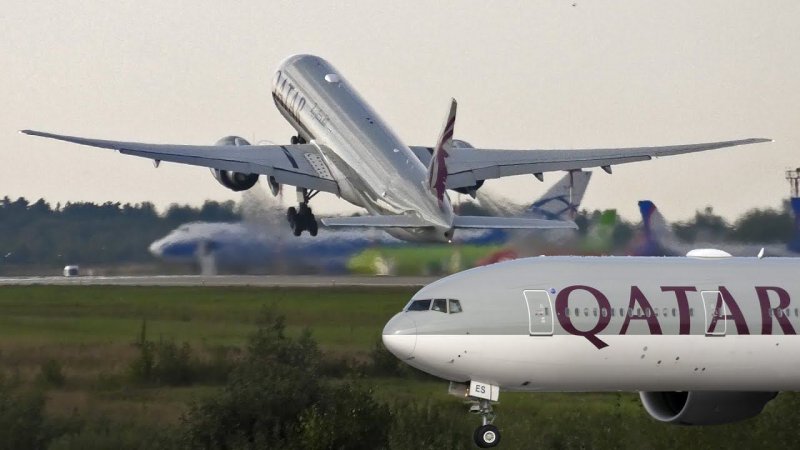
(260, 406)
(163, 362)
(345, 417)
(429, 425)
(50, 374)
(102, 434)
(22, 423)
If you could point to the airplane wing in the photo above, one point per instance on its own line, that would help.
(296, 165)
(468, 166)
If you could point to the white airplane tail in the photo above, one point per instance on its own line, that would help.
(561, 201)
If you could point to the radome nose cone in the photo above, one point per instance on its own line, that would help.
(400, 336)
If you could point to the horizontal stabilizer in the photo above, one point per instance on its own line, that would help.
(394, 221)
(490, 222)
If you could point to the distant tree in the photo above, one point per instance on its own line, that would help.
(763, 225)
(705, 225)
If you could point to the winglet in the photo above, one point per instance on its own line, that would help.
(437, 170)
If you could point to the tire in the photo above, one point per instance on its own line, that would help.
(313, 227)
(291, 213)
(486, 436)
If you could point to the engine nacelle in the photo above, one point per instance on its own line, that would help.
(235, 181)
(469, 190)
(704, 407)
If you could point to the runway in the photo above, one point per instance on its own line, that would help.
(224, 280)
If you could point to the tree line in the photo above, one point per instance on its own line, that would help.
(88, 233)
(39, 233)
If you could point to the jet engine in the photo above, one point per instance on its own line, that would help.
(469, 190)
(235, 181)
(704, 407)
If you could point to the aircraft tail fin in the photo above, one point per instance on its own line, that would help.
(651, 239)
(437, 169)
(794, 244)
(561, 201)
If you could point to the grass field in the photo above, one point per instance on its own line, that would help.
(90, 332)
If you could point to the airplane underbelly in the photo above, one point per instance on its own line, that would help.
(629, 363)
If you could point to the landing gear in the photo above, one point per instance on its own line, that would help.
(301, 218)
(486, 435)
(298, 140)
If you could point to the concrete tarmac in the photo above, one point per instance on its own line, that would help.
(318, 281)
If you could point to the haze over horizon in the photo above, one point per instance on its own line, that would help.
(526, 75)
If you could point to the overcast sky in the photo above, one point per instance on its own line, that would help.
(545, 74)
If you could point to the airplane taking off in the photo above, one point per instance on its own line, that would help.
(706, 339)
(343, 147)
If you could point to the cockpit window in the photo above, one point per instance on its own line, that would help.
(419, 305)
(443, 305)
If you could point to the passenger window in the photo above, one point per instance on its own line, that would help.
(612, 312)
(647, 312)
(566, 312)
(603, 312)
(440, 305)
(577, 312)
(455, 306)
(691, 312)
(665, 312)
(586, 312)
(673, 312)
(594, 312)
(622, 312)
(419, 305)
(655, 311)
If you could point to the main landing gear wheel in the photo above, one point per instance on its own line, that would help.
(486, 436)
(302, 220)
(297, 140)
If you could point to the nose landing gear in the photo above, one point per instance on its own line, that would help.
(302, 218)
(487, 435)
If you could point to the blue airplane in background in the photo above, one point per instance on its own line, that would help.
(657, 239)
(253, 247)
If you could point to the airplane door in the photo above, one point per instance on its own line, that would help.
(540, 313)
(716, 313)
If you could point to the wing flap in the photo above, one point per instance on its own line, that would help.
(289, 164)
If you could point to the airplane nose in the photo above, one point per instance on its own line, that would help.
(156, 249)
(400, 336)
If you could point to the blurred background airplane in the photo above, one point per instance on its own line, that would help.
(657, 238)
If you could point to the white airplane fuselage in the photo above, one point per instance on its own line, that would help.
(611, 324)
(358, 146)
